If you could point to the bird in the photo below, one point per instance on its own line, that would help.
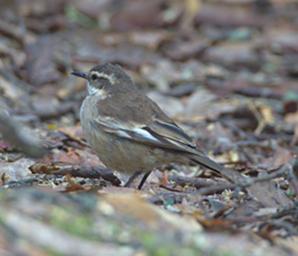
(128, 131)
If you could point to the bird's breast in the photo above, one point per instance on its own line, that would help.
(88, 113)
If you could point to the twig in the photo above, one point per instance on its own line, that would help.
(77, 171)
(191, 181)
(288, 210)
(90, 172)
(169, 188)
(258, 92)
(285, 169)
(20, 183)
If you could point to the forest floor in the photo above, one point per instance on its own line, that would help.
(225, 71)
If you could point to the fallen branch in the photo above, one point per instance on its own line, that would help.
(28, 182)
(76, 171)
(283, 170)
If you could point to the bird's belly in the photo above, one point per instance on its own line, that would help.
(125, 156)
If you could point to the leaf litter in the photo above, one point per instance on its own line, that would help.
(224, 70)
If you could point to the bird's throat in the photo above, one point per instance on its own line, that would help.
(100, 93)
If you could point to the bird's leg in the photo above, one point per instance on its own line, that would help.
(134, 176)
(131, 179)
(146, 175)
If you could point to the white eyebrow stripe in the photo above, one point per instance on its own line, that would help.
(111, 77)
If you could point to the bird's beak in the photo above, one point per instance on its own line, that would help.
(79, 74)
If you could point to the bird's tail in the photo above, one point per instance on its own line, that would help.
(210, 164)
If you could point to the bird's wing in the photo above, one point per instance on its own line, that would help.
(157, 133)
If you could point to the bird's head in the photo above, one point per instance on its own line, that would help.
(105, 79)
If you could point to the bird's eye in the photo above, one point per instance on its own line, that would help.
(93, 77)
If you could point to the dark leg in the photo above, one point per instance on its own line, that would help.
(146, 175)
(131, 179)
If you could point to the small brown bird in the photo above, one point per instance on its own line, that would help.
(128, 131)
